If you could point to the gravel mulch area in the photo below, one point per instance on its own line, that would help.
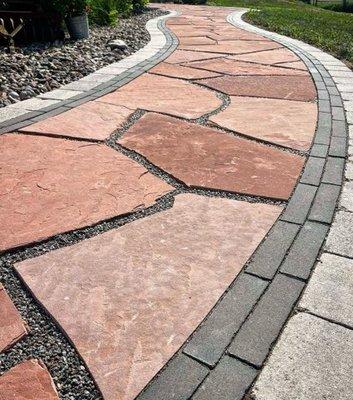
(41, 67)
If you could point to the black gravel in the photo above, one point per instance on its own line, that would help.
(41, 67)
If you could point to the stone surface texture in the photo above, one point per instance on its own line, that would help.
(183, 72)
(269, 57)
(203, 157)
(92, 120)
(312, 360)
(299, 88)
(29, 380)
(57, 190)
(290, 124)
(157, 279)
(12, 327)
(164, 94)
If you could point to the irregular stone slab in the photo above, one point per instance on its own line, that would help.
(29, 380)
(12, 327)
(288, 123)
(204, 157)
(235, 34)
(163, 94)
(92, 120)
(269, 57)
(196, 41)
(330, 290)
(234, 46)
(181, 56)
(65, 185)
(178, 71)
(157, 279)
(294, 64)
(299, 88)
(233, 67)
(305, 362)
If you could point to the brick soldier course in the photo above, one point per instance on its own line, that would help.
(203, 179)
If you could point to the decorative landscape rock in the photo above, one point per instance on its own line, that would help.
(291, 124)
(300, 88)
(163, 94)
(130, 297)
(117, 44)
(29, 380)
(12, 327)
(204, 157)
(92, 120)
(65, 185)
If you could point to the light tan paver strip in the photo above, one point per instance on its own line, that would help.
(291, 124)
(29, 380)
(203, 157)
(92, 120)
(12, 327)
(166, 95)
(57, 189)
(157, 279)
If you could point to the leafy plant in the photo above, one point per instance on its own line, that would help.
(66, 8)
(103, 12)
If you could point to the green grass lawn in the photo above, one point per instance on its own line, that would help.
(329, 30)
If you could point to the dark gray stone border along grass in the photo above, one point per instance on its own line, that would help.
(224, 355)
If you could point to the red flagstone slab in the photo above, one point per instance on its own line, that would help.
(299, 88)
(92, 120)
(205, 157)
(235, 47)
(196, 40)
(130, 297)
(181, 56)
(235, 34)
(295, 64)
(167, 95)
(178, 71)
(29, 380)
(49, 186)
(288, 123)
(232, 67)
(269, 57)
(12, 327)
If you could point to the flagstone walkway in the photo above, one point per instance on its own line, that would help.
(200, 155)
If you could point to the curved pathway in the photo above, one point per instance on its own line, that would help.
(204, 184)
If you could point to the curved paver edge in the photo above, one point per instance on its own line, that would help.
(162, 43)
(199, 367)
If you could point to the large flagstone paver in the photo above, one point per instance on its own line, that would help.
(196, 41)
(12, 327)
(182, 56)
(269, 57)
(293, 64)
(49, 186)
(233, 67)
(179, 71)
(299, 88)
(204, 157)
(29, 380)
(291, 124)
(129, 298)
(234, 46)
(164, 94)
(92, 120)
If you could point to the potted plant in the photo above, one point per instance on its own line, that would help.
(75, 14)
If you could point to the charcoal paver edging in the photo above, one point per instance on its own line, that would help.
(132, 66)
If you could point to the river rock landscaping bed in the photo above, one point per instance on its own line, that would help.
(41, 67)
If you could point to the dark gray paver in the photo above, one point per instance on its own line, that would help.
(228, 381)
(338, 146)
(324, 105)
(324, 126)
(336, 101)
(338, 114)
(324, 204)
(269, 255)
(333, 91)
(319, 150)
(333, 172)
(300, 203)
(214, 335)
(178, 381)
(313, 171)
(253, 342)
(323, 94)
(302, 255)
(339, 128)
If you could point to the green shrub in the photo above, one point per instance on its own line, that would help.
(103, 12)
(139, 5)
(66, 8)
